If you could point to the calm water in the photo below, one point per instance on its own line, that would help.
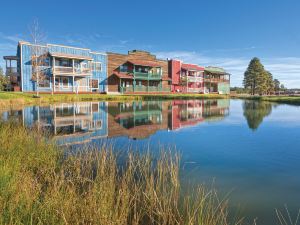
(250, 150)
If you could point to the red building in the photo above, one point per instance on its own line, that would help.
(186, 78)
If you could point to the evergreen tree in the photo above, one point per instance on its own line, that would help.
(270, 83)
(255, 77)
(276, 85)
(257, 80)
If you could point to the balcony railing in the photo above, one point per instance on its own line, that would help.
(11, 70)
(147, 75)
(71, 70)
(143, 88)
(195, 79)
(195, 90)
(215, 80)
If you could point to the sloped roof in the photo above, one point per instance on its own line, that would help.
(191, 67)
(70, 56)
(216, 70)
(123, 75)
(144, 63)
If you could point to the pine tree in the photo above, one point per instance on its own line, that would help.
(270, 83)
(255, 77)
(276, 85)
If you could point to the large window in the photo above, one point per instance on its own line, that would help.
(63, 62)
(123, 68)
(65, 82)
(94, 84)
(97, 66)
(44, 82)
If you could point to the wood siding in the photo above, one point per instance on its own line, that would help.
(115, 60)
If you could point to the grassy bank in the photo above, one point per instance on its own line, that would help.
(291, 100)
(39, 184)
(17, 99)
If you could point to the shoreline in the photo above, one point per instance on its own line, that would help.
(284, 99)
(19, 99)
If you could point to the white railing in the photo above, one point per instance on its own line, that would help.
(195, 89)
(71, 70)
(195, 79)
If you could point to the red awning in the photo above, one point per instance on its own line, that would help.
(123, 75)
(144, 63)
(192, 67)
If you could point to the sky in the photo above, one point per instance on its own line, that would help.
(225, 33)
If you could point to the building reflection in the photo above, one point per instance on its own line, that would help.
(67, 123)
(82, 122)
(137, 120)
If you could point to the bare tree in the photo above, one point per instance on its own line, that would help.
(39, 55)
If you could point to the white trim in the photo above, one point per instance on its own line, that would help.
(90, 87)
(21, 72)
(99, 53)
(94, 66)
(46, 45)
(68, 47)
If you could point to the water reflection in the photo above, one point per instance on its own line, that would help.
(72, 123)
(255, 112)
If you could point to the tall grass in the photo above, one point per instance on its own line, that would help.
(285, 218)
(41, 184)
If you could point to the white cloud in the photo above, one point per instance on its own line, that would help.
(287, 70)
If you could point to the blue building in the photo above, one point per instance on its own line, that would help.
(56, 68)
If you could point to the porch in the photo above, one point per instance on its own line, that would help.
(68, 84)
(127, 86)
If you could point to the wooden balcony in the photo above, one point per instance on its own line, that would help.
(64, 70)
(216, 80)
(195, 90)
(192, 78)
(147, 76)
(143, 88)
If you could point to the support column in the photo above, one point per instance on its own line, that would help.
(53, 72)
(133, 83)
(73, 83)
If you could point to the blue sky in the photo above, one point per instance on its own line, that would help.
(225, 33)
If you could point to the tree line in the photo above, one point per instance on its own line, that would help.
(257, 80)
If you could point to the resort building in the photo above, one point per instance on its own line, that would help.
(186, 78)
(64, 69)
(57, 69)
(216, 80)
(137, 72)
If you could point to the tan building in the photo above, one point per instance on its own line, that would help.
(137, 72)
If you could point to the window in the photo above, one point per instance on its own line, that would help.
(97, 66)
(123, 68)
(65, 82)
(56, 81)
(63, 62)
(94, 84)
(45, 82)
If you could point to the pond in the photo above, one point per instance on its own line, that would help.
(249, 150)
